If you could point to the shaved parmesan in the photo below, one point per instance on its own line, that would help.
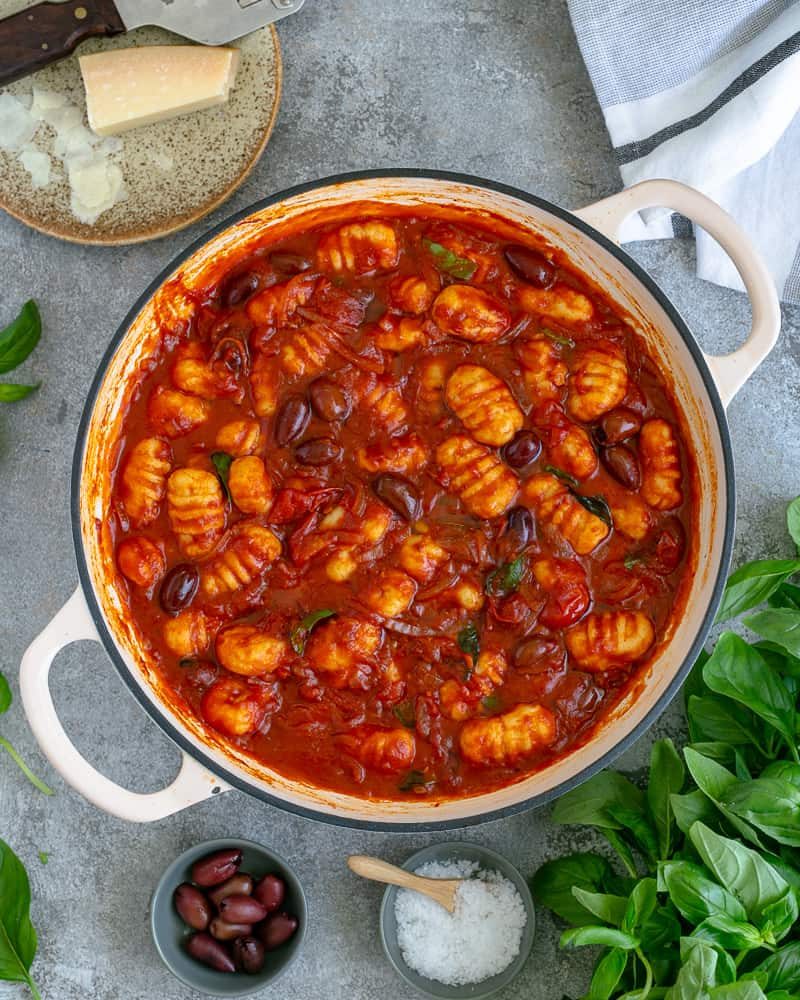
(96, 184)
(17, 126)
(126, 88)
(38, 165)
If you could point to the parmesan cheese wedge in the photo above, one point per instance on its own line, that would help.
(127, 88)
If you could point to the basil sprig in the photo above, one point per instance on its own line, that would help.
(449, 262)
(222, 463)
(17, 341)
(5, 703)
(505, 579)
(706, 906)
(300, 633)
(17, 933)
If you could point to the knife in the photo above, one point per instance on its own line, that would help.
(47, 32)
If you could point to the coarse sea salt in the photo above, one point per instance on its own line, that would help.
(481, 938)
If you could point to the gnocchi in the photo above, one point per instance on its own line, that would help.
(486, 487)
(360, 248)
(598, 381)
(174, 413)
(661, 465)
(196, 510)
(249, 485)
(249, 651)
(236, 707)
(610, 640)
(484, 404)
(505, 740)
(144, 480)
(343, 650)
(386, 750)
(554, 505)
(251, 550)
(470, 313)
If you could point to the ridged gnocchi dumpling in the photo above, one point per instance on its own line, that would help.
(196, 509)
(264, 380)
(421, 556)
(432, 380)
(504, 740)
(141, 560)
(470, 313)
(388, 409)
(239, 437)
(385, 750)
(569, 446)
(250, 651)
(189, 633)
(237, 706)
(308, 349)
(342, 651)
(249, 484)
(561, 303)
(554, 505)
(174, 413)
(544, 370)
(411, 293)
(486, 486)
(631, 516)
(144, 480)
(274, 307)
(193, 373)
(390, 594)
(250, 551)
(661, 465)
(484, 404)
(598, 381)
(359, 248)
(610, 639)
(398, 333)
(403, 453)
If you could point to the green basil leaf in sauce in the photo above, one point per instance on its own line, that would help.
(506, 578)
(415, 780)
(557, 338)
(449, 262)
(300, 633)
(20, 337)
(405, 714)
(596, 505)
(631, 560)
(222, 462)
(469, 641)
(491, 703)
(565, 477)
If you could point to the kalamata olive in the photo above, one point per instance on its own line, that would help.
(277, 929)
(270, 892)
(216, 868)
(289, 263)
(240, 885)
(399, 494)
(178, 588)
(192, 906)
(328, 400)
(623, 465)
(291, 420)
(520, 531)
(521, 450)
(248, 954)
(618, 426)
(230, 355)
(241, 909)
(222, 930)
(237, 288)
(540, 653)
(531, 266)
(670, 546)
(318, 451)
(205, 949)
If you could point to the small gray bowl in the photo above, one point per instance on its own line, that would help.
(170, 932)
(488, 860)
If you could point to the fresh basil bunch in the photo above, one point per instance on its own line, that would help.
(707, 905)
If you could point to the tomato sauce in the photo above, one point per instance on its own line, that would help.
(487, 500)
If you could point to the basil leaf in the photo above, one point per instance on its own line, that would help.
(222, 462)
(492, 702)
(738, 671)
(778, 625)
(578, 937)
(300, 633)
(506, 578)
(778, 917)
(469, 641)
(786, 596)
(753, 583)
(690, 808)
(738, 991)
(728, 933)
(449, 262)
(415, 779)
(5, 695)
(641, 905)
(602, 905)
(696, 896)
(20, 337)
(661, 929)
(639, 826)
(698, 973)
(553, 884)
(793, 521)
(754, 882)
(17, 935)
(721, 720)
(607, 974)
(563, 476)
(769, 804)
(666, 778)
(587, 805)
(405, 714)
(631, 560)
(596, 505)
(785, 770)
(781, 969)
(11, 392)
(621, 846)
(714, 780)
(557, 338)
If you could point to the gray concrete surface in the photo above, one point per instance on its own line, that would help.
(493, 88)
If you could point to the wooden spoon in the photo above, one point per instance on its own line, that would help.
(441, 890)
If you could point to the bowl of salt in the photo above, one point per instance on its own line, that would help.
(479, 948)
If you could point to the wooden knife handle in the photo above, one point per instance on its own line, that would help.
(40, 35)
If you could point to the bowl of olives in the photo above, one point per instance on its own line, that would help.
(228, 917)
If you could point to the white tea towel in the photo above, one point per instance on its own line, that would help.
(705, 92)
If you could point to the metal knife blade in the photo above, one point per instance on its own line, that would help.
(211, 22)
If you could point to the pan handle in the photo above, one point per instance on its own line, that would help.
(72, 623)
(730, 371)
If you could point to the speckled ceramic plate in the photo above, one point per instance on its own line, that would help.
(175, 172)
